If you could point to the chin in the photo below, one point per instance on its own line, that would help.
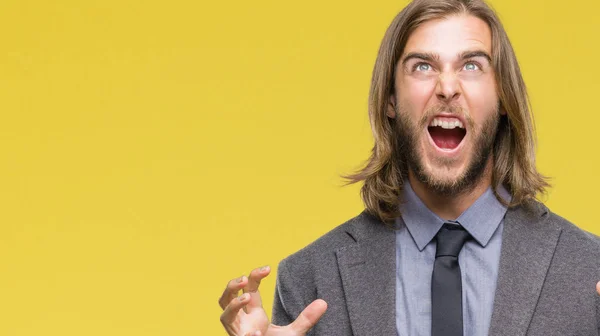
(445, 175)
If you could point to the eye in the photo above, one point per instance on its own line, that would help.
(471, 66)
(422, 67)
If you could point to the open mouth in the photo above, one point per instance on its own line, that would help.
(446, 133)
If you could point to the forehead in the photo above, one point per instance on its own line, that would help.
(449, 36)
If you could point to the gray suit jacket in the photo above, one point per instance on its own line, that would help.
(546, 283)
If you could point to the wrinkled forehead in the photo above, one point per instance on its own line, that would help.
(451, 36)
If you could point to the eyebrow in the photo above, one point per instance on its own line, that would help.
(422, 56)
(476, 53)
(430, 57)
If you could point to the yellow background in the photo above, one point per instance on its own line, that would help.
(152, 150)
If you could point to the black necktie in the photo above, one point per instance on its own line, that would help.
(446, 285)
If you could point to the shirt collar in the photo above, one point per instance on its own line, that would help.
(481, 219)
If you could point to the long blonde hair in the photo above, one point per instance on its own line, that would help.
(514, 148)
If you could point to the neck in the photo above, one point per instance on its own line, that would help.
(452, 206)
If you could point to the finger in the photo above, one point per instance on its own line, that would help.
(254, 333)
(231, 311)
(232, 289)
(598, 287)
(309, 316)
(254, 280)
(255, 277)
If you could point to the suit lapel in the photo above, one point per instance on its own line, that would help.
(368, 273)
(528, 244)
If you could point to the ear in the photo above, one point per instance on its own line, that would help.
(502, 110)
(391, 111)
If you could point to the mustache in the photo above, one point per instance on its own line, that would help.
(452, 109)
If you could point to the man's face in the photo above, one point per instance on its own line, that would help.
(445, 103)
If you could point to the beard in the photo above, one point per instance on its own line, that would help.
(408, 136)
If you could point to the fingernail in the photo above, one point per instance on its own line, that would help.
(240, 279)
(264, 268)
(243, 297)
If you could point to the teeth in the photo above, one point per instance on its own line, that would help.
(446, 124)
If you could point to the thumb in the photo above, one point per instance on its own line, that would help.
(309, 316)
(598, 287)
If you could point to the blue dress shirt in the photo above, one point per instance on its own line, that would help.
(478, 260)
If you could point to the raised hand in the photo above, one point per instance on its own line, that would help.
(244, 315)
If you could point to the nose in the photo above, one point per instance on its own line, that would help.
(448, 88)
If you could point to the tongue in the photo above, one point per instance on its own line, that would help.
(446, 138)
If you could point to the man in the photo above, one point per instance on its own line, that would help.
(452, 241)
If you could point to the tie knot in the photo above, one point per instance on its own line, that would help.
(450, 240)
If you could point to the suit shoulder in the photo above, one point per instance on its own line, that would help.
(338, 236)
(575, 234)
(344, 234)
